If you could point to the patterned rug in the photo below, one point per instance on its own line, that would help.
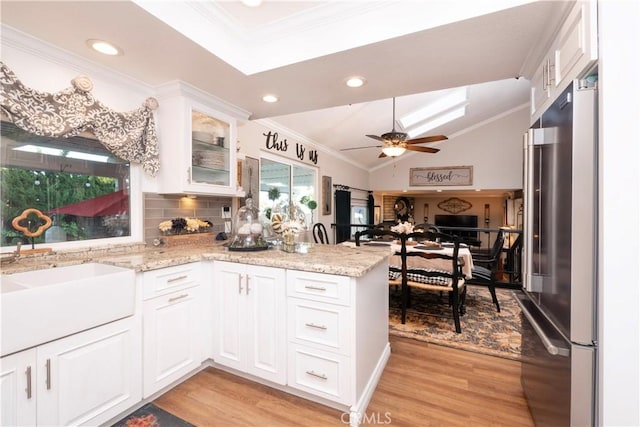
(484, 330)
(151, 416)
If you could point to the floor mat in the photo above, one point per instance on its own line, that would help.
(151, 416)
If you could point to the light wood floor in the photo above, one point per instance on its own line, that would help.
(422, 385)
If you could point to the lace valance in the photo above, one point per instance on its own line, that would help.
(130, 135)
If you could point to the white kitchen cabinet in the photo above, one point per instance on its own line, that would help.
(173, 325)
(337, 335)
(249, 319)
(85, 378)
(197, 135)
(17, 388)
(573, 52)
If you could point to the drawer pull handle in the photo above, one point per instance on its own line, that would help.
(321, 376)
(48, 378)
(175, 279)
(178, 297)
(315, 288)
(313, 325)
(28, 390)
(240, 284)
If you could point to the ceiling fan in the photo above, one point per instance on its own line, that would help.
(395, 143)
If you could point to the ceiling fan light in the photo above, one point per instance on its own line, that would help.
(393, 150)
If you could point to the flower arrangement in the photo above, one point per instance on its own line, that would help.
(185, 226)
(403, 227)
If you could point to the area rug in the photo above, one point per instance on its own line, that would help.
(151, 416)
(484, 330)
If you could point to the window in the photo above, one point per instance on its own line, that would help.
(75, 181)
(283, 182)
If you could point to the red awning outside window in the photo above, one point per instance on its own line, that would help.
(108, 204)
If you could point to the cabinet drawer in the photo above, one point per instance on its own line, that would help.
(318, 287)
(320, 373)
(170, 279)
(320, 325)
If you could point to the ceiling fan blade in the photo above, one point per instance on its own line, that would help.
(382, 155)
(422, 140)
(376, 137)
(422, 149)
(358, 148)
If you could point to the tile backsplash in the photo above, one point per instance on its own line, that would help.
(161, 207)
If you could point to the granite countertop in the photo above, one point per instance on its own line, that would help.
(330, 259)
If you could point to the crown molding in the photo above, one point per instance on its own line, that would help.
(23, 42)
(181, 88)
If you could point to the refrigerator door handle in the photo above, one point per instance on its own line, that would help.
(552, 348)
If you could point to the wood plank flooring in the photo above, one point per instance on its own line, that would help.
(422, 385)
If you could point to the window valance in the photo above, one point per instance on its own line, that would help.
(129, 135)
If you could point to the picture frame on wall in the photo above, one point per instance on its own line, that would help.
(326, 195)
(440, 176)
(250, 178)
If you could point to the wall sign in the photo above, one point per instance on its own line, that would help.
(449, 175)
(274, 143)
(454, 205)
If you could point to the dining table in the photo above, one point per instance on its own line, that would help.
(395, 261)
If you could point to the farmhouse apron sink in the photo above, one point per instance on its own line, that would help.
(43, 305)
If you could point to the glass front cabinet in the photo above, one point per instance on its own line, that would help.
(197, 143)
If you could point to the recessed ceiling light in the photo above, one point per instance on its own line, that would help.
(252, 3)
(104, 47)
(270, 98)
(355, 81)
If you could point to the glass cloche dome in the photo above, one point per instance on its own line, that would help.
(247, 229)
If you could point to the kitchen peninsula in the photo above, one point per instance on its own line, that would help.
(313, 324)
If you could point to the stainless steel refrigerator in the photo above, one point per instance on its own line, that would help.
(559, 342)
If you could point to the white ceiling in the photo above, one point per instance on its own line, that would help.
(302, 51)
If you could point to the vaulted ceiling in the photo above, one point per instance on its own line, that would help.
(303, 52)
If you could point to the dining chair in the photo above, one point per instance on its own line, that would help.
(320, 234)
(485, 268)
(437, 279)
(395, 278)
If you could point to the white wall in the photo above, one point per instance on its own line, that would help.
(619, 210)
(494, 149)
